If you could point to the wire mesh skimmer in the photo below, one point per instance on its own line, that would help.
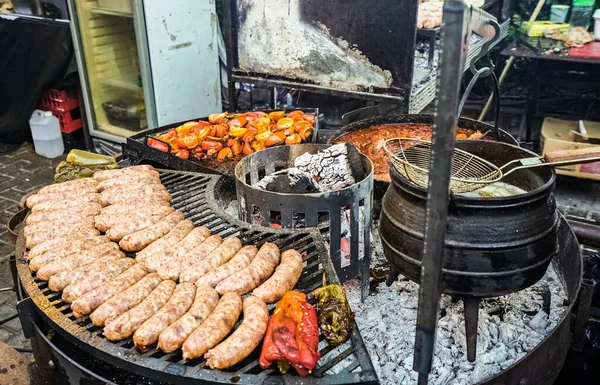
(411, 158)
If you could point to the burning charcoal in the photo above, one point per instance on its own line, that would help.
(329, 167)
(289, 181)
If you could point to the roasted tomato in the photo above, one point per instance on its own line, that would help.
(225, 153)
(221, 130)
(208, 145)
(305, 133)
(263, 136)
(301, 125)
(217, 118)
(285, 123)
(183, 154)
(203, 133)
(276, 138)
(294, 113)
(237, 132)
(276, 115)
(247, 149)
(180, 143)
(197, 153)
(309, 118)
(293, 139)
(250, 135)
(198, 127)
(257, 146)
(168, 136)
(185, 128)
(190, 141)
(289, 131)
(240, 121)
(157, 144)
(203, 123)
(255, 114)
(236, 147)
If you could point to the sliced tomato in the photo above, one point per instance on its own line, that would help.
(240, 121)
(168, 136)
(276, 115)
(211, 145)
(217, 118)
(310, 118)
(203, 123)
(190, 141)
(183, 154)
(157, 144)
(285, 123)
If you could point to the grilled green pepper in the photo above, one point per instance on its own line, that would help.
(334, 314)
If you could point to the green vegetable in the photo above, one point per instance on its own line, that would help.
(334, 314)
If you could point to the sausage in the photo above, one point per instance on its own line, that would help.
(91, 300)
(153, 260)
(144, 192)
(237, 263)
(61, 280)
(85, 210)
(117, 232)
(127, 323)
(173, 336)
(140, 239)
(216, 327)
(283, 280)
(58, 224)
(124, 301)
(63, 204)
(104, 222)
(219, 256)
(96, 279)
(132, 206)
(244, 339)
(135, 186)
(256, 273)
(66, 247)
(148, 177)
(43, 236)
(172, 269)
(58, 243)
(38, 198)
(74, 261)
(107, 174)
(178, 305)
(177, 234)
(77, 185)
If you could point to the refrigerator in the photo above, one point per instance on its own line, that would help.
(145, 64)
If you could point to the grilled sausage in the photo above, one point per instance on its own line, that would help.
(219, 256)
(91, 300)
(127, 323)
(153, 260)
(61, 280)
(104, 222)
(168, 242)
(64, 249)
(154, 192)
(256, 273)
(96, 279)
(124, 301)
(244, 339)
(67, 231)
(140, 239)
(85, 210)
(173, 336)
(283, 280)
(237, 263)
(134, 187)
(58, 243)
(117, 232)
(77, 185)
(76, 260)
(63, 204)
(59, 224)
(172, 269)
(50, 198)
(132, 206)
(149, 177)
(178, 305)
(216, 327)
(107, 174)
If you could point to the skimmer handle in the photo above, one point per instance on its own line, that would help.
(582, 155)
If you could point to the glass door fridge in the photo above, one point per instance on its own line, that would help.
(145, 64)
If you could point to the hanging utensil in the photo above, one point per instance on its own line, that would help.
(411, 158)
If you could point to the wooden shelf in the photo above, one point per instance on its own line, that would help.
(123, 82)
(109, 12)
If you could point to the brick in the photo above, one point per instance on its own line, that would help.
(12, 194)
(13, 325)
(6, 335)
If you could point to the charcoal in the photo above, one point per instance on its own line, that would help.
(329, 167)
(289, 181)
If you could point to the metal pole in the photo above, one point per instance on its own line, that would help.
(452, 61)
(510, 62)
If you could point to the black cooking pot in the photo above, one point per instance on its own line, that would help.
(494, 246)
(380, 186)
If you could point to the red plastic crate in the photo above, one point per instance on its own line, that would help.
(59, 100)
(69, 121)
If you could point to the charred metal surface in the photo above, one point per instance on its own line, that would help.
(583, 313)
(194, 195)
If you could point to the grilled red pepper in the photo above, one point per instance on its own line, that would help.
(292, 335)
(157, 144)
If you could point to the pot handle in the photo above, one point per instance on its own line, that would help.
(582, 155)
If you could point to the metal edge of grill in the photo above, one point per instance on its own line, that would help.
(193, 194)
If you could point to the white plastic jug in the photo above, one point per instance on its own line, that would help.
(45, 130)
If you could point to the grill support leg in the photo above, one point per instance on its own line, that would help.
(471, 306)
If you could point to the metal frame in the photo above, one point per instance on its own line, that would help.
(139, 24)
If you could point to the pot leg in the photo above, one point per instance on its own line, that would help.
(471, 306)
(392, 276)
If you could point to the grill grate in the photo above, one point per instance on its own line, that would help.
(193, 194)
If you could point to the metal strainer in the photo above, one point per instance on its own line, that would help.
(411, 158)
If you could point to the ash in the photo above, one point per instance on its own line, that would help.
(290, 181)
(329, 167)
(509, 327)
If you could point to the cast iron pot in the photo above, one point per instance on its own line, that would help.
(494, 246)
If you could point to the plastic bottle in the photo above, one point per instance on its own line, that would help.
(581, 13)
(45, 130)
